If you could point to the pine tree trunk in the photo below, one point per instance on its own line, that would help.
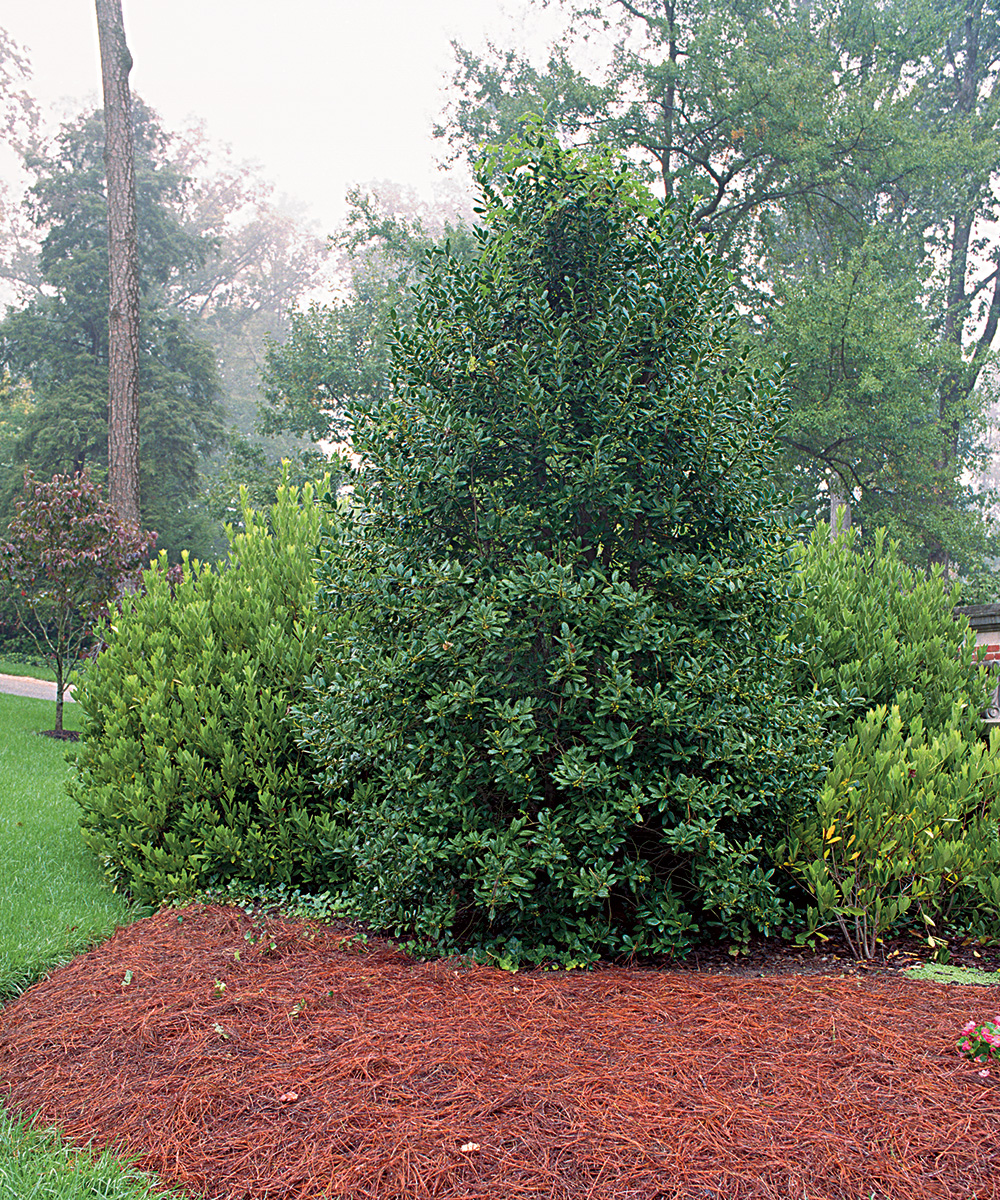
(123, 265)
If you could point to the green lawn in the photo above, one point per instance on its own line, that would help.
(35, 1164)
(53, 904)
(26, 665)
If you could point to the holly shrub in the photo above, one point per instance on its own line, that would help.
(560, 725)
(187, 773)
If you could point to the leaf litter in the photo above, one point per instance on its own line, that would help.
(326, 1070)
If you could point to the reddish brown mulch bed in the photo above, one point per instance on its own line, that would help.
(326, 1069)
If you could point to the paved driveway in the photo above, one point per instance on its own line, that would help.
(37, 689)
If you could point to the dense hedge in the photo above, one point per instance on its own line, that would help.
(187, 772)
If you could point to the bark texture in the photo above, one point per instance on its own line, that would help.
(123, 264)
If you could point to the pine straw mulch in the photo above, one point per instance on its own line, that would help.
(324, 1068)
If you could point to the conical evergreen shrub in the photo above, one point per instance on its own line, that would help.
(564, 697)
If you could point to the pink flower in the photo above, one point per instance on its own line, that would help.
(970, 1027)
(984, 1072)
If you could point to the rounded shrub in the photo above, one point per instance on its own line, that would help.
(872, 631)
(564, 698)
(187, 772)
(904, 834)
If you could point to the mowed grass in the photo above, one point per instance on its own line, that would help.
(35, 1164)
(35, 669)
(54, 904)
(53, 901)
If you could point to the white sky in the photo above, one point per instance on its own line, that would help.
(320, 93)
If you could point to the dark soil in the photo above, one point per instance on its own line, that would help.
(776, 957)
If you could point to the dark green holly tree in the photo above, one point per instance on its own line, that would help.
(563, 699)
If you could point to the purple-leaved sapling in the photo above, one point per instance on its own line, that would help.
(66, 555)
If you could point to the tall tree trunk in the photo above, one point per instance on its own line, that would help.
(123, 264)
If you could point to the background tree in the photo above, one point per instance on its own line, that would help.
(563, 697)
(123, 264)
(68, 552)
(794, 132)
(337, 355)
(865, 418)
(224, 261)
(18, 127)
(266, 258)
(59, 340)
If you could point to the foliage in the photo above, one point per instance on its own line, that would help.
(866, 418)
(981, 1043)
(843, 155)
(249, 470)
(905, 826)
(874, 632)
(337, 355)
(263, 900)
(68, 555)
(757, 118)
(59, 340)
(16, 401)
(187, 773)
(563, 696)
(980, 586)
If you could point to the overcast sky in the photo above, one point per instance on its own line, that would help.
(322, 93)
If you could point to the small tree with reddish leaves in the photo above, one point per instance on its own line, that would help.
(66, 556)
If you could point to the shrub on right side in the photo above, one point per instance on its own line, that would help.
(905, 829)
(872, 631)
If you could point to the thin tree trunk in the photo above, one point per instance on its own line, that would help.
(840, 508)
(123, 265)
(60, 685)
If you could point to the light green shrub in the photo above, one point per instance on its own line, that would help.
(187, 772)
(872, 631)
(904, 831)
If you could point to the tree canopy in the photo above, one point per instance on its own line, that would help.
(59, 340)
(841, 155)
(67, 554)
